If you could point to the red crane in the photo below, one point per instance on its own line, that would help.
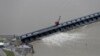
(57, 22)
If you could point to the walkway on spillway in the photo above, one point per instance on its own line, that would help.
(66, 26)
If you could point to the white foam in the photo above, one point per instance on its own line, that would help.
(60, 38)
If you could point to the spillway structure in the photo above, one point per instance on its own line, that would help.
(66, 26)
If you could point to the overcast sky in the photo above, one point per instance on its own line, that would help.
(23, 16)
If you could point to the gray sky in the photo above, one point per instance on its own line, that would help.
(23, 16)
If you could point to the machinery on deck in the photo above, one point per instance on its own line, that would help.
(57, 22)
(66, 26)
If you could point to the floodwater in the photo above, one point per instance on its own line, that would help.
(23, 16)
(84, 41)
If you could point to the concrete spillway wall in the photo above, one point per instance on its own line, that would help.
(66, 26)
